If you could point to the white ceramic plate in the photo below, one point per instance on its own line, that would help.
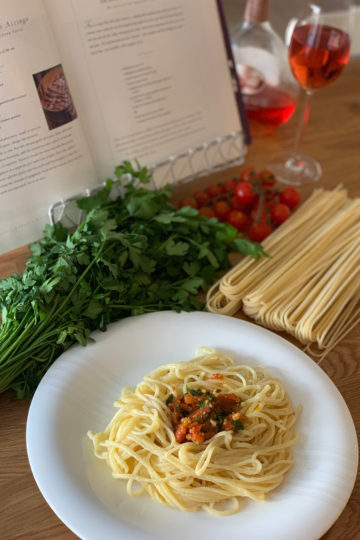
(78, 392)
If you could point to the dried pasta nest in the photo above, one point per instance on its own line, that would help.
(309, 287)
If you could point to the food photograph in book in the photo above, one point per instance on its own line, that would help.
(55, 96)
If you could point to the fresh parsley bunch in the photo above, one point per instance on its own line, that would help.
(130, 255)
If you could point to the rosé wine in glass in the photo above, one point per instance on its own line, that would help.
(273, 107)
(318, 52)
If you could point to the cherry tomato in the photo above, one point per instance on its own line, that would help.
(188, 201)
(213, 191)
(237, 219)
(290, 196)
(235, 204)
(267, 178)
(249, 175)
(201, 197)
(206, 211)
(229, 186)
(269, 195)
(259, 230)
(280, 213)
(254, 201)
(221, 209)
(244, 193)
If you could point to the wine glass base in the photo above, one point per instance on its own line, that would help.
(295, 169)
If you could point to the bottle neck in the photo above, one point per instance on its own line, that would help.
(256, 11)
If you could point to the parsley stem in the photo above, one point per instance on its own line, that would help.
(16, 342)
(11, 333)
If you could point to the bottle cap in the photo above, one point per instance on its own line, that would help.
(257, 10)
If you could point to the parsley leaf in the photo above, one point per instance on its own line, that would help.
(194, 392)
(237, 424)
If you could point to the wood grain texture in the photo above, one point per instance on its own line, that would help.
(333, 137)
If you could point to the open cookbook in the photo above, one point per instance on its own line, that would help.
(85, 84)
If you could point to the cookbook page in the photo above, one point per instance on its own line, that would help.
(43, 153)
(150, 77)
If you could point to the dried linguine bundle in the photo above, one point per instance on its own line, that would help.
(310, 286)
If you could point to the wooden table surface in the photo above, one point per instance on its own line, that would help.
(333, 137)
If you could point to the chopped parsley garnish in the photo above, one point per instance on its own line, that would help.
(220, 419)
(238, 425)
(194, 392)
(169, 399)
(198, 414)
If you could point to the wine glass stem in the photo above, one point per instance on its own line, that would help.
(304, 120)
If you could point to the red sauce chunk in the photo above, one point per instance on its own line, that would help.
(199, 414)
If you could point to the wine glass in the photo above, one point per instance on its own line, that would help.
(318, 52)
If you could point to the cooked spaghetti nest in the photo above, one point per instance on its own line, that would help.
(140, 446)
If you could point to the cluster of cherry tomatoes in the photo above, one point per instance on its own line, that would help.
(252, 203)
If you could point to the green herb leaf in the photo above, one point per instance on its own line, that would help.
(194, 392)
(238, 425)
(175, 248)
(254, 249)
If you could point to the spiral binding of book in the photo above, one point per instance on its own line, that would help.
(217, 155)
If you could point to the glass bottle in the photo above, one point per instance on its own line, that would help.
(269, 90)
